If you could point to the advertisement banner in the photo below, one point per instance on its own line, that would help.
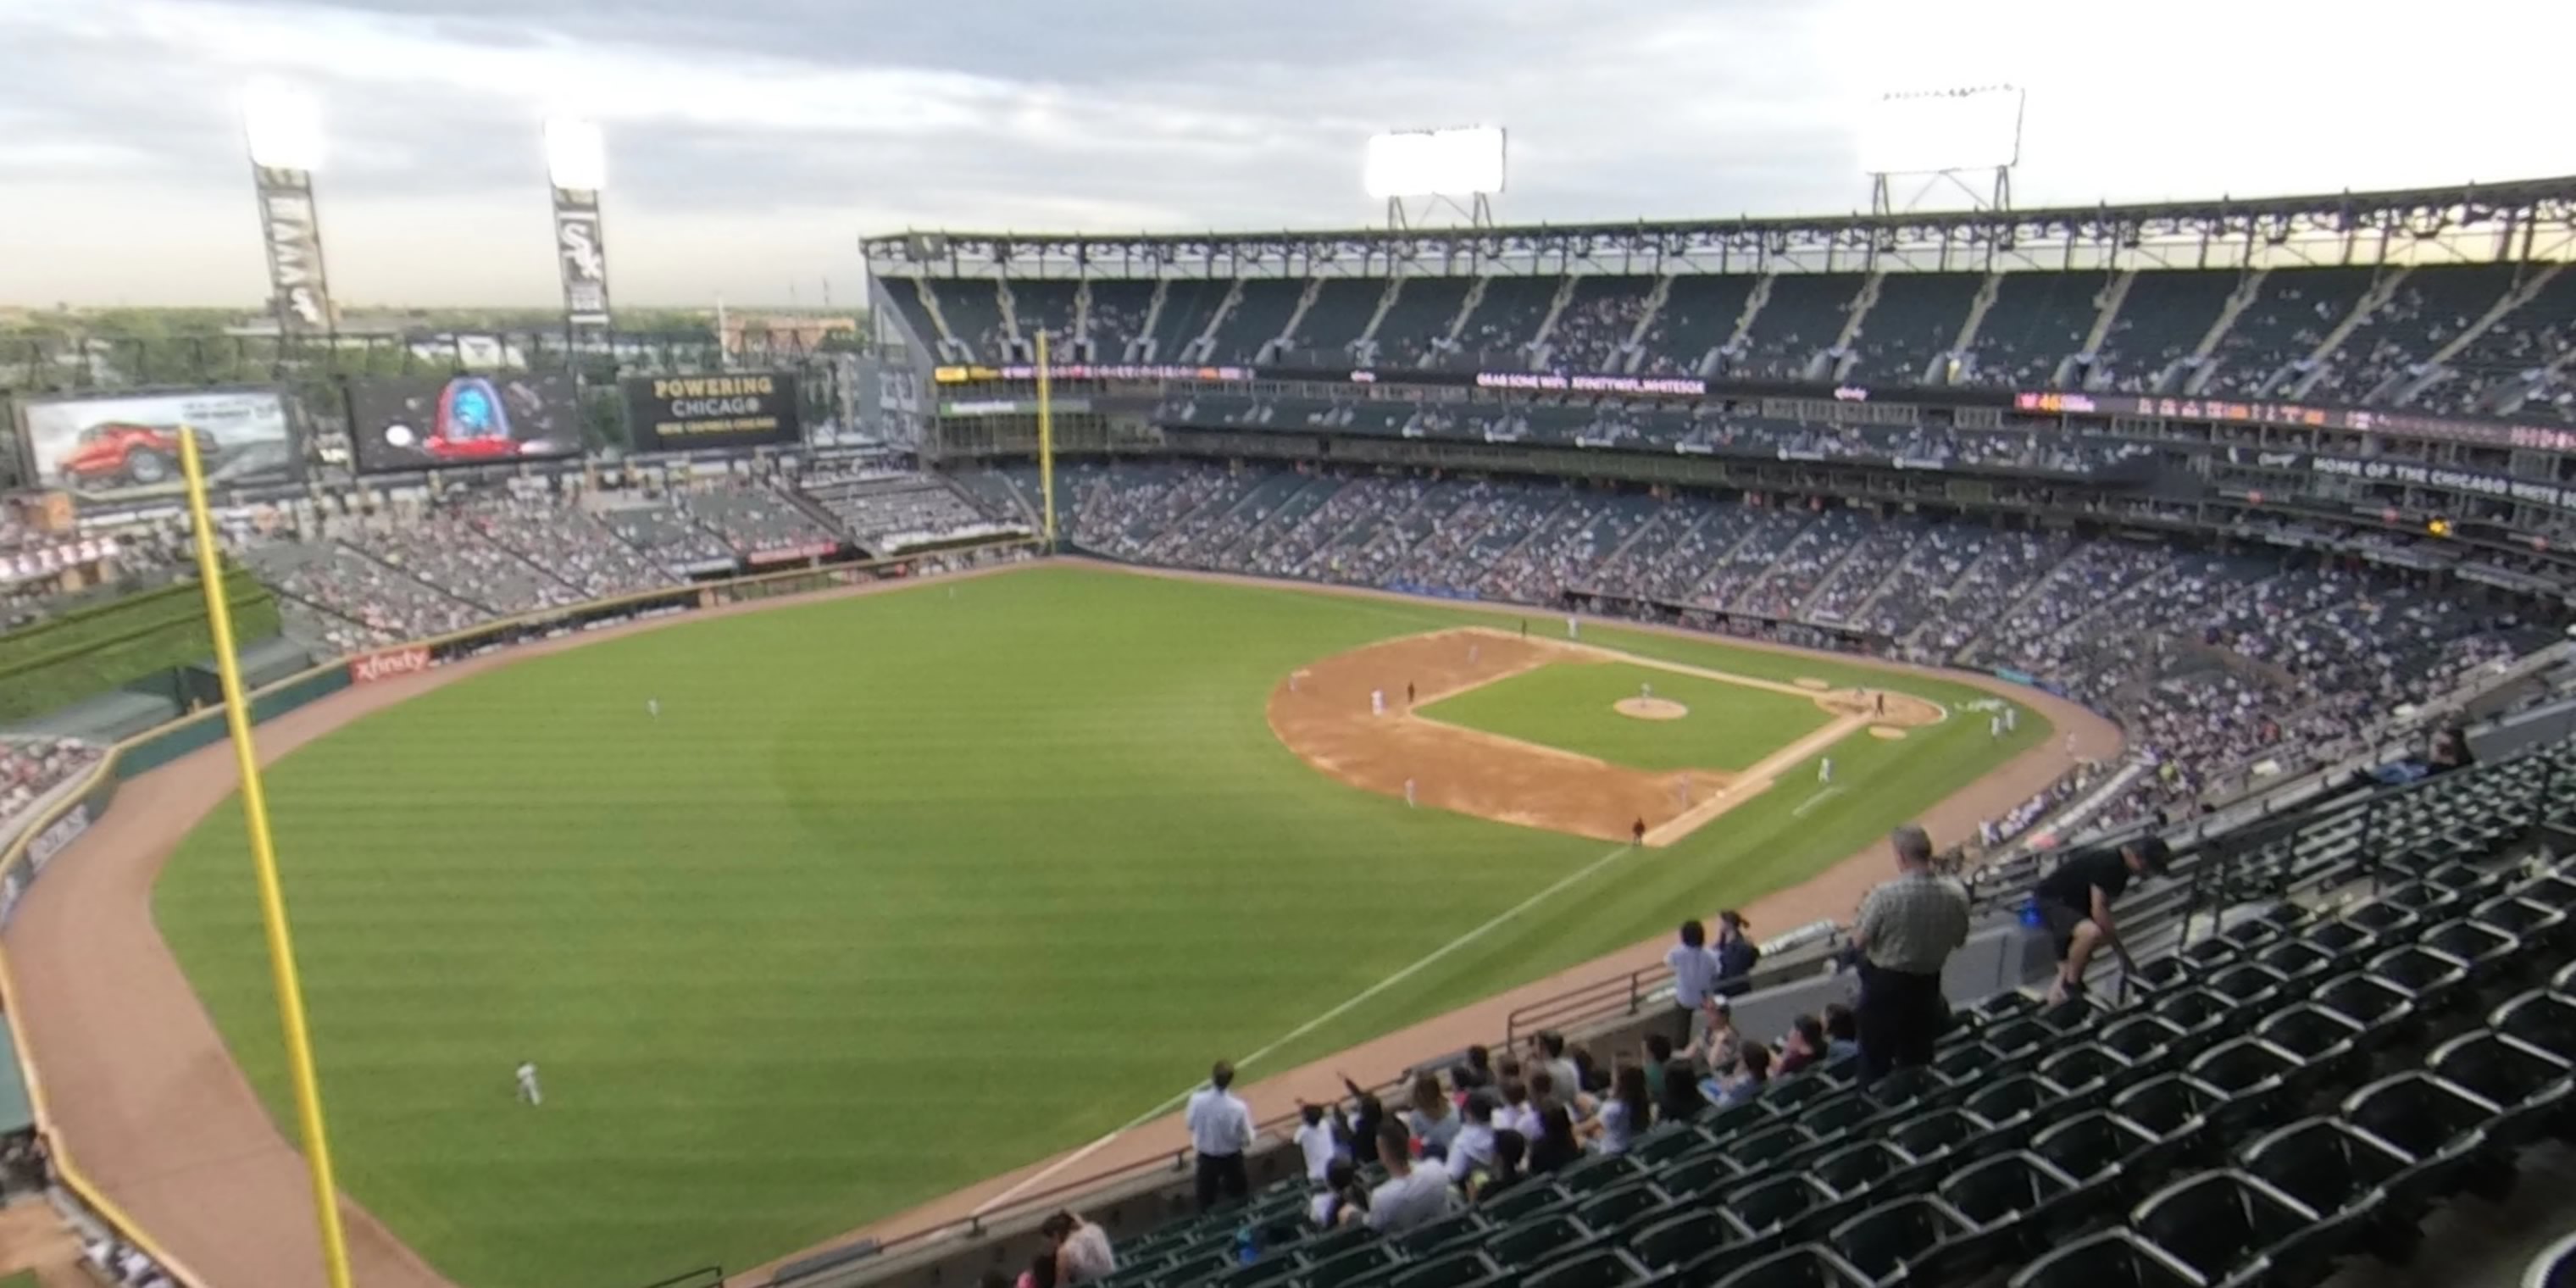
(425, 422)
(2358, 420)
(682, 413)
(114, 449)
(389, 664)
(581, 256)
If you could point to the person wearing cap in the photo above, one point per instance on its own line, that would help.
(2075, 904)
(1907, 929)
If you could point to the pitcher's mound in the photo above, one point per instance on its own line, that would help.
(1810, 682)
(1884, 731)
(1651, 708)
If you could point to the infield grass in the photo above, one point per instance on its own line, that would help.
(1573, 706)
(899, 892)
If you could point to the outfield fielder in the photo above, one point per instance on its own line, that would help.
(653, 707)
(1825, 770)
(529, 1093)
(1408, 794)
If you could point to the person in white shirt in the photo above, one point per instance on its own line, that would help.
(1315, 1141)
(1695, 970)
(1412, 1196)
(1220, 1131)
(529, 1092)
(1473, 1147)
(1082, 1251)
(1517, 1113)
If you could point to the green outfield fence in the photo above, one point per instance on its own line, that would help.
(25, 856)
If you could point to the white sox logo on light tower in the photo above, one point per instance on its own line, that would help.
(284, 129)
(577, 165)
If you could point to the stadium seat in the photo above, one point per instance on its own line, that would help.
(2095, 1149)
(1672, 1239)
(2326, 1042)
(2178, 1109)
(1527, 1241)
(1805, 1266)
(1946, 1136)
(1668, 1141)
(2384, 1011)
(2253, 1074)
(1916, 1239)
(1613, 1209)
(2085, 1073)
(1776, 1209)
(2010, 1106)
(1529, 1196)
(2432, 980)
(2017, 1200)
(2528, 1085)
(2116, 1258)
(1698, 1174)
(2555, 1267)
(1348, 1266)
(2440, 1126)
(1597, 1268)
(1594, 1174)
(1464, 1269)
(2234, 1229)
(2148, 1044)
(2340, 1172)
(2544, 1019)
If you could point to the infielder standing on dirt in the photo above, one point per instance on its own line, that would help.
(529, 1093)
(1377, 702)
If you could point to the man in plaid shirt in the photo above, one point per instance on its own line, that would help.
(1908, 929)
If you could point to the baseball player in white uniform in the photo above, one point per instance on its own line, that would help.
(1825, 770)
(1377, 702)
(1409, 801)
(529, 1092)
(653, 707)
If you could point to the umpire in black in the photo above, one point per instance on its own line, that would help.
(1908, 928)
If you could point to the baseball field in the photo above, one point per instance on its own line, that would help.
(904, 890)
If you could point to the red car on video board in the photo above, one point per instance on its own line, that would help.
(121, 452)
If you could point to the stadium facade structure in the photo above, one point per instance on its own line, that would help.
(2384, 372)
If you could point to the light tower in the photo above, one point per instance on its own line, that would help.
(577, 165)
(1419, 173)
(1943, 136)
(283, 127)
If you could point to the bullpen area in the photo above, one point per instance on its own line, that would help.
(809, 915)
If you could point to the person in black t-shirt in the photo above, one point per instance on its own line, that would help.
(2075, 904)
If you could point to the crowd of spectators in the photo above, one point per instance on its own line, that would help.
(31, 767)
(2210, 662)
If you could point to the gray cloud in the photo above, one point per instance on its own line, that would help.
(752, 140)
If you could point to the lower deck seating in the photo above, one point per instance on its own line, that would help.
(2299, 1087)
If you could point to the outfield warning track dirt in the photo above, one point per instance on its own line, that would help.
(133, 1075)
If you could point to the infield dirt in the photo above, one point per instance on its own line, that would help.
(1352, 716)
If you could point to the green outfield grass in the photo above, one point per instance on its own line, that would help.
(898, 893)
(1572, 706)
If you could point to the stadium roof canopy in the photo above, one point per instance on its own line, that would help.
(2526, 219)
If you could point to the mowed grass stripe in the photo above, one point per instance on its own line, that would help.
(898, 893)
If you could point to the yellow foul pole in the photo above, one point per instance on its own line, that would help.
(1046, 441)
(272, 899)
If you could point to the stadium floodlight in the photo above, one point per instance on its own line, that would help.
(284, 126)
(576, 154)
(1943, 133)
(1435, 163)
(1459, 168)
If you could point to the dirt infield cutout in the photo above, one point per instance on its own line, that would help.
(1324, 713)
(1650, 708)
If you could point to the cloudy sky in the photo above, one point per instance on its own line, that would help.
(752, 141)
